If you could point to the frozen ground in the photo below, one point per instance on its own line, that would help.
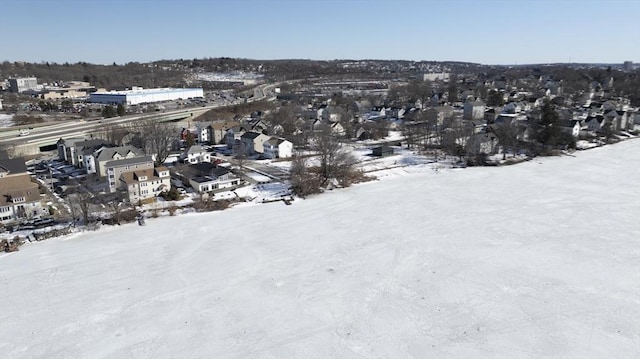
(537, 260)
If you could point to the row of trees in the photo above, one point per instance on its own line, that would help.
(109, 111)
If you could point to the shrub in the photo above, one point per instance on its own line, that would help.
(171, 195)
(172, 209)
(478, 159)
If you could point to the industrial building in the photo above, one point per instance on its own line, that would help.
(440, 76)
(23, 84)
(139, 95)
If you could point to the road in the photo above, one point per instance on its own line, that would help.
(79, 128)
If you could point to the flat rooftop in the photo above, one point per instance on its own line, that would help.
(146, 91)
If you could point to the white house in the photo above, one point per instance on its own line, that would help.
(202, 132)
(473, 110)
(572, 126)
(277, 147)
(217, 178)
(195, 154)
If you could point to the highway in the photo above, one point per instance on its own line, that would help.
(50, 133)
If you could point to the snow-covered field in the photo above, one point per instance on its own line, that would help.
(537, 260)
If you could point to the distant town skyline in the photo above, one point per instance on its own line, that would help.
(486, 32)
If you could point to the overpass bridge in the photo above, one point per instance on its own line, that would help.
(44, 137)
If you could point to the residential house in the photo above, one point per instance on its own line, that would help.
(207, 177)
(571, 126)
(594, 123)
(257, 125)
(438, 114)
(116, 168)
(482, 143)
(72, 151)
(19, 197)
(202, 132)
(535, 101)
(217, 131)
(473, 110)
(361, 107)
(329, 114)
(253, 142)
(337, 129)
(619, 120)
(478, 125)
(234, 134)
(626, 121)
(95, 161)
(187, 133)
(277, 147)
(363, 133)
(514, 107)
(505, 119)
(195, 154)
(145, 185)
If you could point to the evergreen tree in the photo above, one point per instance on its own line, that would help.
(495, 98)
(108, 111)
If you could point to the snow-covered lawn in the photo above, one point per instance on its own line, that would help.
(537, 260)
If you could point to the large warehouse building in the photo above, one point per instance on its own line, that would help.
(140, 95)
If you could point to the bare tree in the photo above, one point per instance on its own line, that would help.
(335, 161)
(240, 154)
(507, 135)
(420, 90)
(80, 204)
(283, 121)
(411, 133)
(303, 181)
(115, 134)
(454, 139)
(156, 138)
(116, 204)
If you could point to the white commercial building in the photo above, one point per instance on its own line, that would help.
(440, 76)
(23, 84)
(139, 95)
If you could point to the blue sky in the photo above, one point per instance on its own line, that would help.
(483, 31)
